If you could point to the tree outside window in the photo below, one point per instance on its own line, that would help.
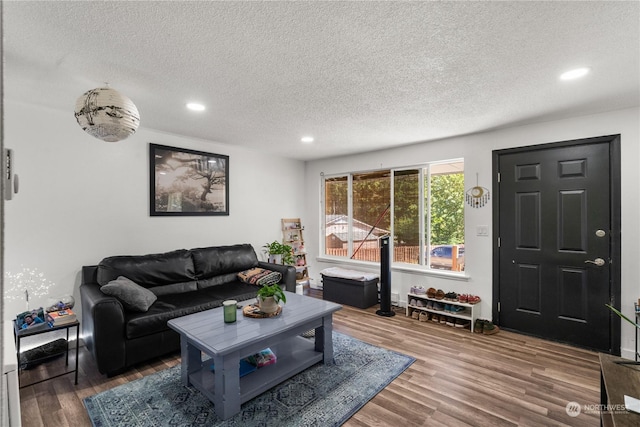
(426, 205)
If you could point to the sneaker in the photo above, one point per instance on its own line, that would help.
(463, 298)
(419, 290)
(412, 301)
(450, 321)
(456, 308)
(447, 308)
(420, 303)
(438, 306)
(439, 294)
(443, 320)
(435, 318)
(462, 323)
(490, 328)
(430, 305)
(431, 292)
(478, 326)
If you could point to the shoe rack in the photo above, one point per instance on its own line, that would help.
(470, 312)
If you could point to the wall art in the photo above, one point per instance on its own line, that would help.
(187, 182)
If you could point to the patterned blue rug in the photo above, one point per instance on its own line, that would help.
(323, 395)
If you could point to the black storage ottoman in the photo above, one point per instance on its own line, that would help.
(357, 293)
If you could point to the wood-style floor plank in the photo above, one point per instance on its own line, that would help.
(458, 379)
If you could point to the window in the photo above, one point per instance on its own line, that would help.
(421, 207)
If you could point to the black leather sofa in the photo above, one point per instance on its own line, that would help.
(184, 282)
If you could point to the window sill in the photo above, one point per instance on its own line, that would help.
(405, 268)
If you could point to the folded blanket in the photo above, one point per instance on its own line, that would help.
(344, 273)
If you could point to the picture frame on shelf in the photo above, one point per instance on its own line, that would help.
(186, 182)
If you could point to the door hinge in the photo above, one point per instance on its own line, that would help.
(498, 241)
(498, 176)
(498, 306)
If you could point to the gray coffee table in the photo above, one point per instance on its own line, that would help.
(225, 344)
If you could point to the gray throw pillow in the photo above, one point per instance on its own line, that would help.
(133, 296)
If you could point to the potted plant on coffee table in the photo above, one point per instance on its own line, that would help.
(269, 296)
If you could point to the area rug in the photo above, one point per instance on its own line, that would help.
(323, 395)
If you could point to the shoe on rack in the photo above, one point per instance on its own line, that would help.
(440, 294)
(412, 301)
(456, 308)
(435, 318)
(424, 316)
(430, 305)
(438, 306)
(419, 290)
(420, 303)
(462, 323)
(450, 321)
(431, 292)
(473, 299)
(415, 314)
(447, 308)
(443, 319)
(463, 298)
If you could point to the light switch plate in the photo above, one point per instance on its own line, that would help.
(482, 230)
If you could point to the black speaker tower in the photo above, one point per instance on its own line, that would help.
(385, 279)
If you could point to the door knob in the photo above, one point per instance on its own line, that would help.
(598, 261)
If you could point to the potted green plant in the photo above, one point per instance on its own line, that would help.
(279, 253)
(269, 296)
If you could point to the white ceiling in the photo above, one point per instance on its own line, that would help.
(358, 76)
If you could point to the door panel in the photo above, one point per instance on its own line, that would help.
(551, 202)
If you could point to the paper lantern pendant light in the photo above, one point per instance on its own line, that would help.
(107, 114)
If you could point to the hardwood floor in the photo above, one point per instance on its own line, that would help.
(458, 379)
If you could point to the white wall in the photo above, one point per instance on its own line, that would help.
(82, 199)
(477, 153)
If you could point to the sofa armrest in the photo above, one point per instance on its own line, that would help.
(288, 274)
(103, 328)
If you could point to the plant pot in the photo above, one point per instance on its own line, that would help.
(268, 305)
(275, 258)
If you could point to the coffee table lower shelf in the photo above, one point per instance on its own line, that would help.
(300, 356)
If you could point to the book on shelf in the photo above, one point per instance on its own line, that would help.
(246, 367)
(252, 363)
(62, 317)
(263, 358)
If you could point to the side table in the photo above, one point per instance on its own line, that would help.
(19, 334)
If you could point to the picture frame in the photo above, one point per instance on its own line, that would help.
(186, 182)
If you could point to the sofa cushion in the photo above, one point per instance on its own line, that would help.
(149, 270)
(168, 307)
(215, 261)
(175, 288)
(259, 276)
(130, 294)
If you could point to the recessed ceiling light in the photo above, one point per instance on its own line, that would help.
(195, 106)
(307, 139)
(575, 74)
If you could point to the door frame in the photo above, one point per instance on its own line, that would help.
(615, 236)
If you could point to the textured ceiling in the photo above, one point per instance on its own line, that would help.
(358, 76)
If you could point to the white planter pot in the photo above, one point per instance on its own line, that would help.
(275, 259)
(268, 305)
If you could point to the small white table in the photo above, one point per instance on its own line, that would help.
(224, 344)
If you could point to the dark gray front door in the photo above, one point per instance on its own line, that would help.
(556, 235)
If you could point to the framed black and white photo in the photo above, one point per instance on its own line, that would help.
(187, 182)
